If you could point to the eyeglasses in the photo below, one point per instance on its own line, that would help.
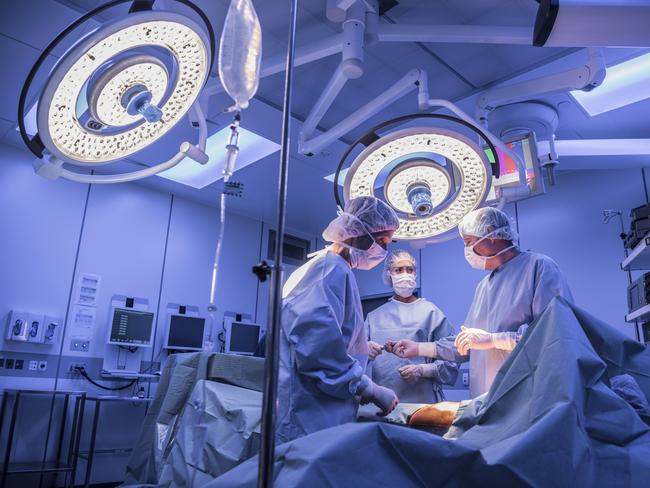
(402, 269)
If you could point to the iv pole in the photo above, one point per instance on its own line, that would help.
(267, 447)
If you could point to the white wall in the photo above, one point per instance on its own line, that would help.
(142, 243)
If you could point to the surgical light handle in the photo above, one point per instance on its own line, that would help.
(53, 168)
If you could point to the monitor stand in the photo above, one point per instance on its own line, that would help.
(120, 360)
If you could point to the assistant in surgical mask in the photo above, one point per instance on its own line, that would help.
(403, 284)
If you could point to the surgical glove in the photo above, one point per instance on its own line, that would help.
(410, 349)
(374, 350)
(411, 373)
(384, 398)
(470, 338)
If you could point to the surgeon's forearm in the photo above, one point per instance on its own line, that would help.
(443, 372)
(446, 351)
(427, 349)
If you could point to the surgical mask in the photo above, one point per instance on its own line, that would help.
(371, 257)
(367, 259)
(403, 284)
(477, 261)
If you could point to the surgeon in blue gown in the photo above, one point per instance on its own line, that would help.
(414, 380)
(323, 344)
(518, 288)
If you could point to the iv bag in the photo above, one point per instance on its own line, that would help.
(240, 52)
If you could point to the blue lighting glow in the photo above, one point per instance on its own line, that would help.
(251, 148)
(342, 175)
(625, 83)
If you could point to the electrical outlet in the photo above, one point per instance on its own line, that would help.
(33, 365)
(81, 345)
(42, 365)
(19, 364)
(72, 367)
(465, 379)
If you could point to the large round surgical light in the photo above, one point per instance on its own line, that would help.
(109, 68)
(432, 177)
(118, 90)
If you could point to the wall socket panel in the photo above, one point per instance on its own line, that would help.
(72, 367)
(80, 345)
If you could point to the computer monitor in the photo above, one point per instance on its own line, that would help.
(526, 147)
(242, 338)
(185, 333)
(131, 328)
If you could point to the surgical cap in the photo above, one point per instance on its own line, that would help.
(393, 258)
(481, 222)
(362, 215)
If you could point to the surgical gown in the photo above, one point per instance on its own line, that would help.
(507, 300)
(323, 348)
(420, 321)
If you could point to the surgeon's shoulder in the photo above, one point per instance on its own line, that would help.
(332, 266)
(542, 260)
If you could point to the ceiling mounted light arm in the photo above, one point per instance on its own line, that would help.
(586, 78)
(52, 167)
(351, 67)
(461, 34)
(408, 83)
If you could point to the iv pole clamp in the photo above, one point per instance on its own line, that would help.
(267, 446)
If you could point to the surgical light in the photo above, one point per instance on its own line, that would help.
(118, 90)
(624, 84)
(431, 177)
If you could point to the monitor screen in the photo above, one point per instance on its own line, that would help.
(131, 327)
(186, 332)
(244, 338)
(526, 148)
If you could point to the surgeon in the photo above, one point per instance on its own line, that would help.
(323, 345)
(519, 286)
(414, 380)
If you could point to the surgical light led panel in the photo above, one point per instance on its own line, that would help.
(625, 83)
(468, 159)
(434, 177)
(57, 118)
(251, 148)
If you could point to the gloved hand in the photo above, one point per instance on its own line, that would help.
(411, 373)
(384, 398)
(410, 349)
(470, 338)
(374, 350)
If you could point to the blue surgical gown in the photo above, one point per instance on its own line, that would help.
(507, 300)
(323, 348)
(420, 321)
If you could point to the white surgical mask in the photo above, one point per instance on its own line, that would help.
(367, 259)
(403, 284)
(477, 261)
